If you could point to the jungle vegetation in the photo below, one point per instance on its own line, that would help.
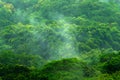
(59, 40)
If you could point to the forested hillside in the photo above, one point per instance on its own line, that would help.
(59, 40)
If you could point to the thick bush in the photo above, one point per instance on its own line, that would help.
(66, 69)
(110, 62)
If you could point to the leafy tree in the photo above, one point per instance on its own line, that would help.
(111, 62)
(30, 60)
(6, 12)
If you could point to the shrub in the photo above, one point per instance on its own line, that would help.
(110, 62)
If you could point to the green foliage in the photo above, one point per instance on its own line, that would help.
(71, 69)
(14, 72)
(44, 27)
(114, 76)
(33, 31)
(6, 11)
(30, 60)
(17, 36)
(111, 62)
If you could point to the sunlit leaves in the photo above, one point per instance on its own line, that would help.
(6, 11)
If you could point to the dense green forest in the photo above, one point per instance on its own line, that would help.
(59, 40)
